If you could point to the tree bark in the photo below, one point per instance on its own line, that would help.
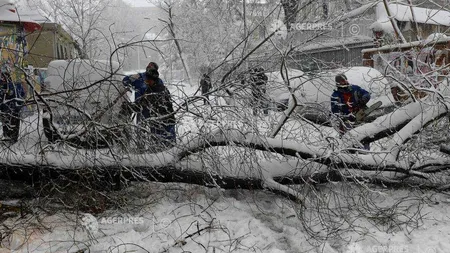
(290, 8)
(162, 166)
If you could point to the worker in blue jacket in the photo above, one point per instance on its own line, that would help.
(153, 104)
(11, 102)
(346, 100)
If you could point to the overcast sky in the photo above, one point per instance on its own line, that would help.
(139, 3)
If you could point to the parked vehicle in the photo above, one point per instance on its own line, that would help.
(84, 95)
(277, 89)
(313, 93)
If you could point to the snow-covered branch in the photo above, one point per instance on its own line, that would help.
(140, 164)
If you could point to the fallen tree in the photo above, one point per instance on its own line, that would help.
(117, 167)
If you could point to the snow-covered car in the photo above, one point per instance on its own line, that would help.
(277, 90)
(313, 93)
(84, 92)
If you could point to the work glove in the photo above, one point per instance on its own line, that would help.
(364, 100)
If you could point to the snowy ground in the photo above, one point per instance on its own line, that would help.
(186, 218)
(181, 218)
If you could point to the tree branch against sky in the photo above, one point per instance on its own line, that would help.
(224, 145)
(82, 19)
(196, 38)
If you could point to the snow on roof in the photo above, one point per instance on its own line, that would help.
(406, 13)
(8, 13)
(33, 15)
(421, 15)
(6, 3)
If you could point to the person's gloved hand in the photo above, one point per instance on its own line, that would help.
(134, 77)
(361, 105)
(364, 100)
(126, 82)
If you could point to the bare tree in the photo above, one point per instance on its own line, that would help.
(171, 29)
(386, 126)
(291, 8)
(221, 134)
(82, 19)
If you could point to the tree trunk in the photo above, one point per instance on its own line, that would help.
(324, 9)
(290, 8)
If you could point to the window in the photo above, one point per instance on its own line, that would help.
(58, 53)
(62, 51)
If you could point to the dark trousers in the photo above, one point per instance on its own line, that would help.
(11, 125)
(164, 134)
(205, 93)
(156, 137)
(206, 101)
(260, 103)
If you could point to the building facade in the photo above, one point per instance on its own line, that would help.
(369, 27)
(13, 44)
(52, 42)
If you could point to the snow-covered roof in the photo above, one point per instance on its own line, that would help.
(407, 13)
(421, 15)
(33, 15)
(8, 13)
(6, 3)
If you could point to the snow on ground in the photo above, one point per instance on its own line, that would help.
(183, 218)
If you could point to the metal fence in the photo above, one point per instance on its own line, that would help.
(330, 57)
